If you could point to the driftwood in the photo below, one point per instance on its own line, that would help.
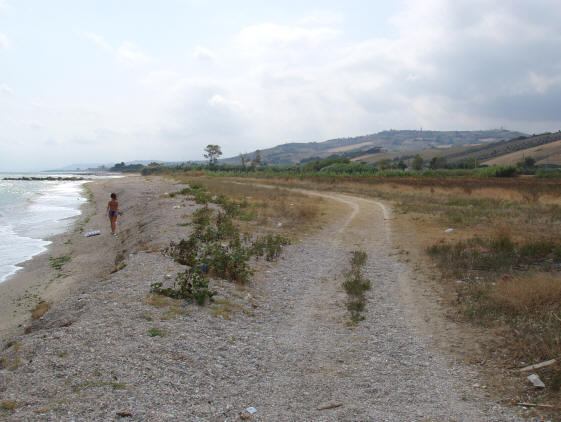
(330, 406)
(538, 365)
(545, 406)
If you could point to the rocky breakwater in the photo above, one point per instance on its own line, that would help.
(48, 178)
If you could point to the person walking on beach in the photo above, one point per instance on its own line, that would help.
(112, 208)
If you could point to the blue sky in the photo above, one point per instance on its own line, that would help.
(108, 81)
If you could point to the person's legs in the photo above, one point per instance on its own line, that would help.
(113, 220)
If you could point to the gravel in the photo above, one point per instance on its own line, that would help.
(282, 345)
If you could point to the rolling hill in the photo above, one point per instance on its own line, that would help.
(367, 147)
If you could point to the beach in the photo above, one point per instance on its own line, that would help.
(277, 348)
(90, 258)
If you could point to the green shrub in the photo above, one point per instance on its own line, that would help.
(190, 284)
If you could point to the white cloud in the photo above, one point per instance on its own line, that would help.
(271, 40)
(99, 40)
(130, 54)
(5, 89)
(4, 42)
(204, 54)
(322, 17)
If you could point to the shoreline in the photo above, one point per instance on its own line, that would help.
(23, 289)
(84, 260)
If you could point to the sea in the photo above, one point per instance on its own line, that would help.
(31, 212)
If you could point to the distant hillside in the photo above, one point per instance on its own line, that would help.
(549, 153)
(390, 141)
(486, 153)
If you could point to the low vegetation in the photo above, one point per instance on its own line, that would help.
(216, 246)
(40, 309)
(58, 262)
(356, 285)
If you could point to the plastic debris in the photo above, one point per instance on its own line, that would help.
(92, 233)
(448, 230)
(251, 410)
(536, 381)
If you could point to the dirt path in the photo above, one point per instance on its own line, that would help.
(380, 370)
(281, 345)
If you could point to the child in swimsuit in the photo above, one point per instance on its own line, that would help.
(112, 208)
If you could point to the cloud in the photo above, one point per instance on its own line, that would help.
(289, 44)
(5, 89)
(131, 55)
(4, 42)
(204, 54)
(100, 41)
(127, 53)
(321, 17)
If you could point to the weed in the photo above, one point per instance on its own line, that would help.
(9, 405)
(356, 285)
(269, 246)
(58, 262)
(118, 385)
(40, 309)
(118, 267)
(190, 284)
(158, 300)
(156, 332)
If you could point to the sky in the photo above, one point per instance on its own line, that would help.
(103, 81)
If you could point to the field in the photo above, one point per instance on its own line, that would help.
(498, 268)
(543, 154)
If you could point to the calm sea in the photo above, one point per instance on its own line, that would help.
(30, 212)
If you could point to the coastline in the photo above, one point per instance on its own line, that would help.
(88, 260)
(142, 226)
(34, 281)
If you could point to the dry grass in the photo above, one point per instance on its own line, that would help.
(10, 405)
(40, 309)
(273, 209)
(536, 294)
(159, 301)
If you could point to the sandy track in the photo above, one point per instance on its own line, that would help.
(284, 347)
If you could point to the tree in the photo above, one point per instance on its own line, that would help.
(257, 159)
(212, 152)
(243, 159)
(437, 163)
(417, 163)
(383, 164)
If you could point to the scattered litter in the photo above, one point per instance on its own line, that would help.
(538, 365)
(476, 385)
(168, 276)
(92, 233)
(536, 381)
(450, 230)
(279, 224)
(251, 410)
(330, 406)
(176, 207)
(459, 281)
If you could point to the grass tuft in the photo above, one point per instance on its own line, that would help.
(40, 309)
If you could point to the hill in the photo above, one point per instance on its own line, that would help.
(390, 141)
(543, 154)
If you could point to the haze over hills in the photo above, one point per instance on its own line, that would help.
(362, 148)
(487, 147)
